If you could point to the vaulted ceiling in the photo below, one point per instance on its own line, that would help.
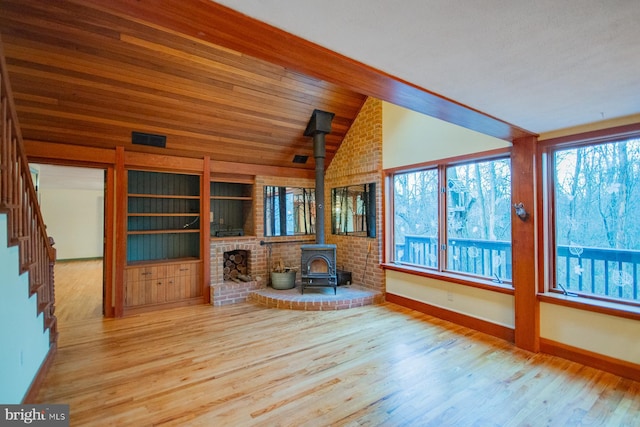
(86, 76)
(223, 84)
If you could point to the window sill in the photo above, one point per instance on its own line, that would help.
(588, 304)
(449, 277)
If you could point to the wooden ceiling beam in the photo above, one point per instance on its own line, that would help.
(40, 151)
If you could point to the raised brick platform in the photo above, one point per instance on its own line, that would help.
(315, 299)
(232, 292)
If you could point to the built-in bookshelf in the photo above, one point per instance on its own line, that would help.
(163, 238)
(231, 209)
(163, 216)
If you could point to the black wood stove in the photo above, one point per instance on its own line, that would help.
(319, 266)
(318, 261)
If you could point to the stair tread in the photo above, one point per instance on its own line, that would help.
(43, 306)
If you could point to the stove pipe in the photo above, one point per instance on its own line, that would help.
(319, 125)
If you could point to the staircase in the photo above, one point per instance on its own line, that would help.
(18, 200)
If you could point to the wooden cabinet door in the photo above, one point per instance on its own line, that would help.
(195, 284)
(158, 284)
(130, 293)
(186, 272)
(181, 289)
(136, 293)
(185, 280)
(134, 287)
(144, 285)
(155, 291)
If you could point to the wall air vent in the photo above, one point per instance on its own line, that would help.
(300, 159)
(140, 138)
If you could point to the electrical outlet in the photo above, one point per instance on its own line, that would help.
(449, 296)
(210, 216)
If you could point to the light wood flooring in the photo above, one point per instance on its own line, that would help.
(383, 365)
(78, 287)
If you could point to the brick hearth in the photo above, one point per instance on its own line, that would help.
(317, 299)
(229, 292)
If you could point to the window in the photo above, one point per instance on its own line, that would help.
(594, 199)
(289, 211)
(353, 210)
(455, 218)
(479, 219)
(415, 225)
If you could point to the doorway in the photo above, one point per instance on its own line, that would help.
(72, 201)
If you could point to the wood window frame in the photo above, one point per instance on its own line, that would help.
(546, 224)
(441, 273)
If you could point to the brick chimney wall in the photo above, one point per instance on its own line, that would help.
(359, 161)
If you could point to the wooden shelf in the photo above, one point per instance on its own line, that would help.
(163, 196)
(231, 198)
(163, 262)
(162, 214)
(166, 231)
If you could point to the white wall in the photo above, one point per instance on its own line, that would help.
(490, 306)
(72, 205)
(412, 138)
(24, 345)
(74, 218)
(613, 336)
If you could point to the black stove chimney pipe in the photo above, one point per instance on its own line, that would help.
(319, 125)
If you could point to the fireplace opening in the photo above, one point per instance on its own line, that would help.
(235, 266)
(319, 265)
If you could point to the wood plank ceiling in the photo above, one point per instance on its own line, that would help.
(87, 75)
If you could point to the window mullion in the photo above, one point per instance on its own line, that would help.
(442, 218)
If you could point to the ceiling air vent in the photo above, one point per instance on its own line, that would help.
(300, 159)
(140, 138)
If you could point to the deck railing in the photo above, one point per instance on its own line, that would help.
(604, 272)
(18, 200)
(599, 271)
(471, 256)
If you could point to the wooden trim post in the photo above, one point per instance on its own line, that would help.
(121, 231)
(109, 243)
(523, 234)
(205, 228)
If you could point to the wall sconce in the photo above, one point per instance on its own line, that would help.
(520, 211)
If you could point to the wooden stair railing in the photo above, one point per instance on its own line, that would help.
(19, 201)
